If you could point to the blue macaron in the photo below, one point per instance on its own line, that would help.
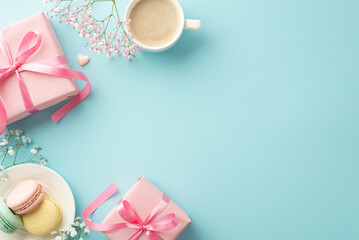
(9, 222)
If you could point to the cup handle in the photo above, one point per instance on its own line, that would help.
(190, 24)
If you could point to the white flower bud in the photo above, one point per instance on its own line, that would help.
(11, 152)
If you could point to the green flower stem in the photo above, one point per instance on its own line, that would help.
(3, 160)
(17, 151)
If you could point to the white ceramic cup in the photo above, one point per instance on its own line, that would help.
(188, 24)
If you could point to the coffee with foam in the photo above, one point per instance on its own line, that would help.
(154, 22)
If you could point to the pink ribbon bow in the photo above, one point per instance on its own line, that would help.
(150, 226)
(45, 66)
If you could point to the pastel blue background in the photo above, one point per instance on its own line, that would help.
(251, 125)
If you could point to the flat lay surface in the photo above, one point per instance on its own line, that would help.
(251, 125)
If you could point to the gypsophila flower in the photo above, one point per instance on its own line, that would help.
(76, 224)
(18, 132)
(108, 36)
(4, 142)
(87, 231)
(75, 231)
(11, 152)
(13, 148)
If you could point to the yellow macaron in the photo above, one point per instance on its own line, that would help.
(44, 219)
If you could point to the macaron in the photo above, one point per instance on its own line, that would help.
(25, 197)
(44, 219)
(9, 222)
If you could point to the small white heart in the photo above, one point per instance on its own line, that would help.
(83, 60)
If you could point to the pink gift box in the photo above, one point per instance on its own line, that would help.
(143, 197)
(45, 90)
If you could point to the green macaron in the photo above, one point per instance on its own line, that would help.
(9, 222)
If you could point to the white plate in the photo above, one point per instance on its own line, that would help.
(55, 187)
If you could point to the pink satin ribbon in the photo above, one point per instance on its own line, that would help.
(45, 66)
(150, 226)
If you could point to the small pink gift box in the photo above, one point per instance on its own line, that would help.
(45, 85)
(158, 217)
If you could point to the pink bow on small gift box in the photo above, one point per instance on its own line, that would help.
(47, 66)
(165, 220)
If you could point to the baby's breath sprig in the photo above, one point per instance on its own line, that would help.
(108, 35)
(14, 151)
(76, 231)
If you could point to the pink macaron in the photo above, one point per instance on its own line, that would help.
(25, 197)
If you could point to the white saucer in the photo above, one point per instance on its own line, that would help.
(55, 187)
